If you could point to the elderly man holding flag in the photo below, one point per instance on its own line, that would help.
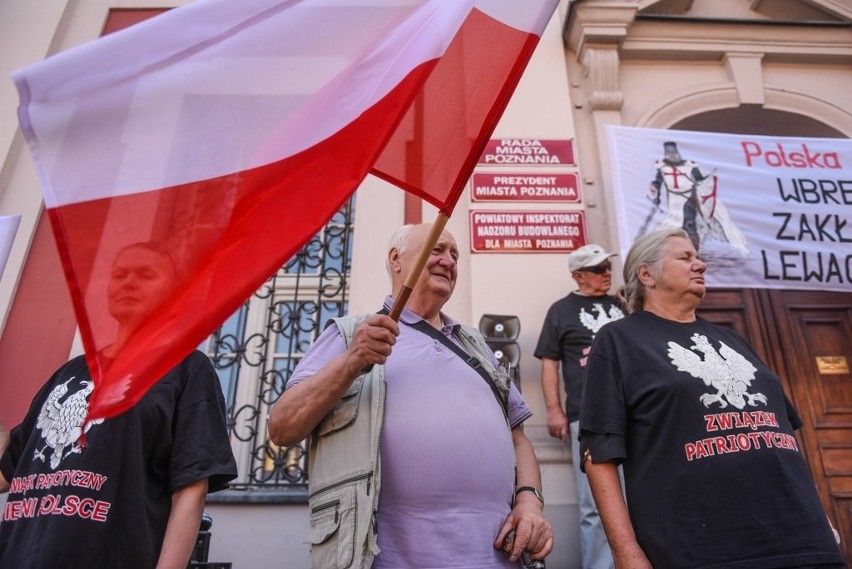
(418, 454)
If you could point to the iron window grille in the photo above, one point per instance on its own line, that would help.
(257, 348)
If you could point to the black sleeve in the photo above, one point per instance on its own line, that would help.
(201, 446)
(603, 413)
(601, 448)
(548, 340)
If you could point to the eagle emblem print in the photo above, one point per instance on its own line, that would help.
(603, 316)
(725, 370)
(60, 422)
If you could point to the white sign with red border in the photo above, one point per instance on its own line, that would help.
(528, 151)
(493, 231)
(517, 186)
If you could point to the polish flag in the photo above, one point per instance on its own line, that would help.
(231, 131)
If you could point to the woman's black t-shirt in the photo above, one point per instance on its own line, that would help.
(107, 504)
(714, 477)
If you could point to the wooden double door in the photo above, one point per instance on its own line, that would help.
(806, 337)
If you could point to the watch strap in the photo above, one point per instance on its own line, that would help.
(536, 492)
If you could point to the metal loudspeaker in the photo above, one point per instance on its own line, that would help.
(501, 333)
(507, 353)
(499, 326)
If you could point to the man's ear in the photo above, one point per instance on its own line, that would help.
(393, 260)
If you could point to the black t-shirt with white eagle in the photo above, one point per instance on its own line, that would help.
(714, 477)
(106, 504)
(569, 328)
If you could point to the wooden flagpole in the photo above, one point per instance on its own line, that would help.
(401, 297)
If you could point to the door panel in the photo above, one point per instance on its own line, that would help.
(815, 333)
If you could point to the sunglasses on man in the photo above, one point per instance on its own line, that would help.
(597, 269)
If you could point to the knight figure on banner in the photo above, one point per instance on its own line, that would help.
(691, 203)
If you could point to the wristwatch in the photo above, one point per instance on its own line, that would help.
(536, 492)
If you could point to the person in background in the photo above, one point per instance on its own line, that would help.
(415, 435)
(703, 429)
(131, 496)
(566, 337)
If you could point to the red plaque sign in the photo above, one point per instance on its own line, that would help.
(528, 151)
(497, 231)
(525, 187)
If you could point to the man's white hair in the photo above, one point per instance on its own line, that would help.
(398, 241)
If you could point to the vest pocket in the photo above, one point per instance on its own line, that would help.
(344, 412)
(332, 534)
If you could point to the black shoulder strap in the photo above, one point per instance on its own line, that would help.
(470, 360)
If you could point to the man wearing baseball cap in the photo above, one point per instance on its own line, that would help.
(566, 338)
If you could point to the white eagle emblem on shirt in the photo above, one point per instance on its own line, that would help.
(728, 372)
(603, 316)
(61, 423)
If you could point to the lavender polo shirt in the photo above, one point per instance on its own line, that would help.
(447, 456)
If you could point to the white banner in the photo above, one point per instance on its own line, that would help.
(8, 229)
(765, 211)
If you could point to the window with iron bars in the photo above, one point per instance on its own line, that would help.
(258, 347)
